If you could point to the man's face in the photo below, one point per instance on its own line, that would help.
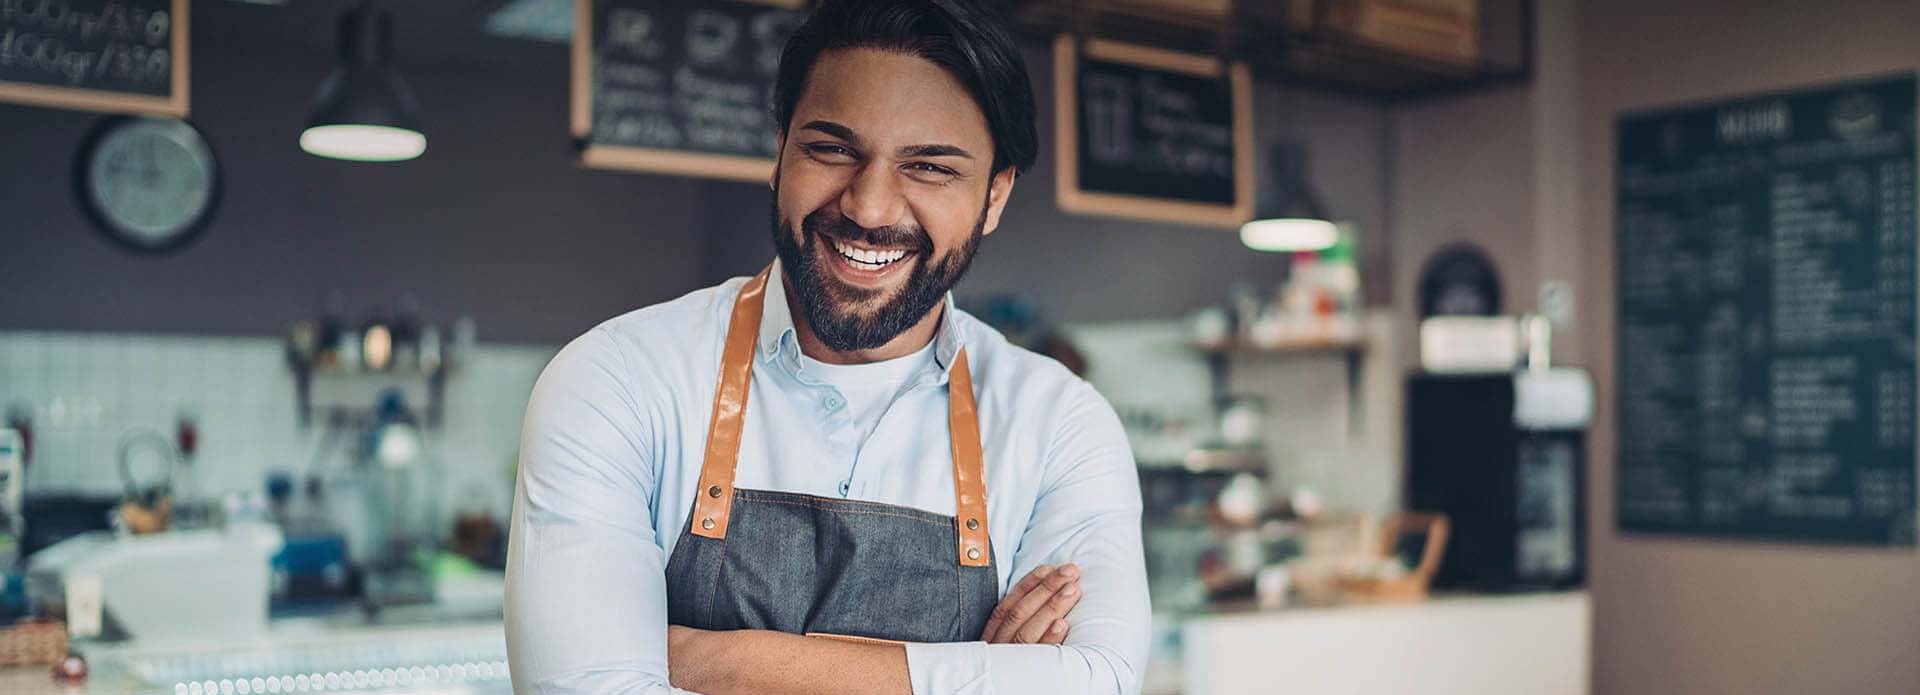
(884, 187)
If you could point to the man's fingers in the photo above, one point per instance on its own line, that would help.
(1056, 634)
(1023, 611)
(1050, 612)
(1030, 581)
(1020, 589)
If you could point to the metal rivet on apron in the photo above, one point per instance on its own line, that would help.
(707, 523)
(973, 524)
(713, 491)
(973, 553)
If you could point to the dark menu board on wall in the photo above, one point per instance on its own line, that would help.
(679, 86)
(100, 55)
(1766, 316)
(1152, 134)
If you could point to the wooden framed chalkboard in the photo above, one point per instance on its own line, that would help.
(1152, 134)
(116, 56)
(679, 86)
(1766, 316)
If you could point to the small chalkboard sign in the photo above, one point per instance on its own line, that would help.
(679, 86)
(117, 56)
(1152, 134)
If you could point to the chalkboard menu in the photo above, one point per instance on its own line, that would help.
(1766, 316)
(1152, 134)
(121, 56)
(679, 86)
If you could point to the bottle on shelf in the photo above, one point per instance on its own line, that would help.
(376, 344)
(431, 354)
(330, 340)
(406, 334)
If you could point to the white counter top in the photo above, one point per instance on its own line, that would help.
(1448, 645)
(463, 658)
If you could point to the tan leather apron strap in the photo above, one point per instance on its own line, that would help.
(713, 501)
(969, 482)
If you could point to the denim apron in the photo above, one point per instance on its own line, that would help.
(847, 569)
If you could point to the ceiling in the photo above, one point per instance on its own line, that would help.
(451, 32)
(454, 33)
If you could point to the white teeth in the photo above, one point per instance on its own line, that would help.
(868, 256)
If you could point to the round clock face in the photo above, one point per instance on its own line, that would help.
(149, 183)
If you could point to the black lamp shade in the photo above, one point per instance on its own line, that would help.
(364, 110)
(1287, 215)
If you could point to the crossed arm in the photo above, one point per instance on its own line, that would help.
(586, 600)
(764, 661)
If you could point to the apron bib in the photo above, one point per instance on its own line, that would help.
(803, 564)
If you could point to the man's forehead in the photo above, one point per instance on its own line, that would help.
(890, 95)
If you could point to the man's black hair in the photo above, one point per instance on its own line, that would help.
(961, 36)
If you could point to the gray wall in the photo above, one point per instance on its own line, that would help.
(1711, 617)
(496, 221)
(1462, 173)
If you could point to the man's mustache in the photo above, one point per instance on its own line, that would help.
(836, 226)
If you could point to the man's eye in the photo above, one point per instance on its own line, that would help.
(930, 172)
(829, 152)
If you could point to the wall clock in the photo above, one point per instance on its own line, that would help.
(149, 184)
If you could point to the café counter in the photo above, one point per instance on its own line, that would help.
(293, 657)
(1446, 645)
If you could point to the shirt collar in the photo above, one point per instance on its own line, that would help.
(777, 331)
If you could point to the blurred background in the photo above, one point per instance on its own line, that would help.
(1465, 346)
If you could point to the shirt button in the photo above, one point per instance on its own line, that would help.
(831, 402)
(845, 485)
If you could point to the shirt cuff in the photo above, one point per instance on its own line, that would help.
(948, 667)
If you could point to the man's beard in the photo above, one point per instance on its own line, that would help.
(833, 308)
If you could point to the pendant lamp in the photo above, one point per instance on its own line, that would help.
(1287, 215)
(364, 111)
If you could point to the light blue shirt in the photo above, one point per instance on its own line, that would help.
(613, 445)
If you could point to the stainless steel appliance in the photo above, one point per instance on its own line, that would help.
(1502, 455)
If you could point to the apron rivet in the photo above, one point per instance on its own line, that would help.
(973, 524)
(973, 553)
(707, 523)
(713, 491)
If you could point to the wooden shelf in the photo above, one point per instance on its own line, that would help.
(1352, 352)
(1243, 348)
(433, 381)
(1277, 50)
(1214, 460)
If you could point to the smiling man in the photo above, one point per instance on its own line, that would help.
(825, 478)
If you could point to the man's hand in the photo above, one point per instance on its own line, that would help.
(1035, 609)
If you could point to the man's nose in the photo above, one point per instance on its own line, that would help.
(874, 199)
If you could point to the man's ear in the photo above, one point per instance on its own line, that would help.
(999, 189)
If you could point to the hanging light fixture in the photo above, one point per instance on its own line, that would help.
(1287, 214)
(364, 111)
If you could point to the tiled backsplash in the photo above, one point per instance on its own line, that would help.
(86, 390)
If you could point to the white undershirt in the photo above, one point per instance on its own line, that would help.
(869, 388)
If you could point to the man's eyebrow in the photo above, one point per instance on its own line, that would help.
(835, 130)
(934, 151)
